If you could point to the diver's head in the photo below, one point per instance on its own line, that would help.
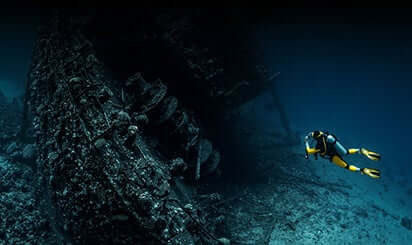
(316, 134)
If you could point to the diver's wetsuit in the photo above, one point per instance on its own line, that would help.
(329, 147)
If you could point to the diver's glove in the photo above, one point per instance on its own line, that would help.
(374, 173)
(370, 154)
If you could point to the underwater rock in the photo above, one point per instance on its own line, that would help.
(10, 122)
(407, 223)
(23, 220)
(29, 152)
(11, 148)
(16, 155)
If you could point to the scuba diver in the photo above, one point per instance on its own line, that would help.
(328, 146)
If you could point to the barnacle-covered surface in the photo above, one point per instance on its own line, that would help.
(24, 217)
(111, 148)
(104, 180)
(24, 220)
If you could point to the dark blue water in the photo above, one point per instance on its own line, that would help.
(17, 36)
(352, 77)
(353, 80)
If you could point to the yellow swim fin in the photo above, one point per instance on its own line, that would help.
(374, 173)
(370, 154)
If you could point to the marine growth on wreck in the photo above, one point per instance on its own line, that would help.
(115, 153)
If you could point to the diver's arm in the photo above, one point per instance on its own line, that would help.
(310, 150)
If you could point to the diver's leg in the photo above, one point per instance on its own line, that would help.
(343, 151)
(369, 154)
(353, 151)
(341, 163)
(374, 173)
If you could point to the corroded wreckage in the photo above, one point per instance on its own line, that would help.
(112, 148)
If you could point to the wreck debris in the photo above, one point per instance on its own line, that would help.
(169, 119)
(113, 149)
(15, 143)
(23, 218)
(10, 120)
(283, 116)
(98, 186)
(198, 161)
